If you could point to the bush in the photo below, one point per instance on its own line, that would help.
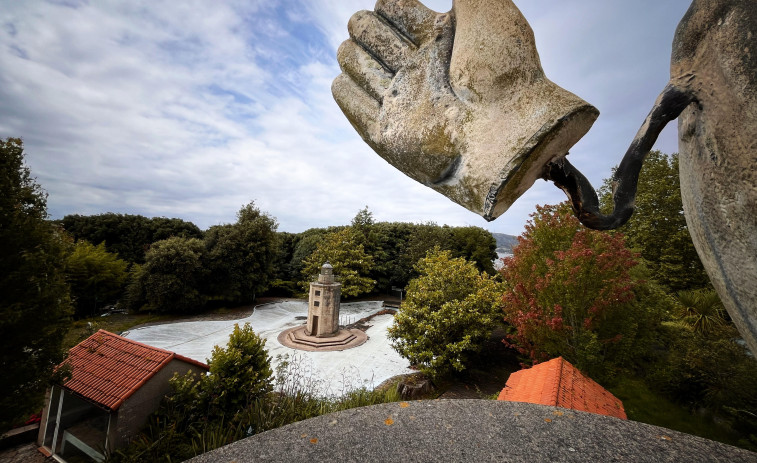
(239, 374)
(572, 292)
(450, 310)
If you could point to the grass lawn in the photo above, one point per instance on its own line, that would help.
(116, 323)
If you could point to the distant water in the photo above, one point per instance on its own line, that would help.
(498, 260)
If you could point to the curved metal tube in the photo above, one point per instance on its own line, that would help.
(669, 105)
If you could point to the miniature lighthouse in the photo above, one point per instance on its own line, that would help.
(321, 332)
(323, 304)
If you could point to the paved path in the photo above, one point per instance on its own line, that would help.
(472, 431)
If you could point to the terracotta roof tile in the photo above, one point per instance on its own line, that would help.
(107, 368)
(558, 383)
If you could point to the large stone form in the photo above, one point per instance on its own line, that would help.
(715, 63)
(457, 101)
(323, 304)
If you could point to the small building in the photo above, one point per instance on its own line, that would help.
(115, 384)
(323, 304)
(558, 383)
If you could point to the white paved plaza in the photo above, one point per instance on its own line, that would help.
(366, 365)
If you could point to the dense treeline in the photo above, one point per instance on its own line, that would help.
(230, 264)
(175, 267)
(129, 236)
(394, 248)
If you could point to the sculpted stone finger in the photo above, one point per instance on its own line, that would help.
(363, 69)
(493, 45)
(361, 109)
(411, 17)
(379, 38)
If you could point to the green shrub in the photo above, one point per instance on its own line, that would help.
(240, 373)
(450, 310)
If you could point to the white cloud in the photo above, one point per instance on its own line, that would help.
(193, 109)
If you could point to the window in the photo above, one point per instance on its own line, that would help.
(75, 428)
(317, 292)
(316, 303)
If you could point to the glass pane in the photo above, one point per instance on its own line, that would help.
(52, 419)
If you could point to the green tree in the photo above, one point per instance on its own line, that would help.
(351, 264)
(450, 310)
(96, 276)
(307, 242)
(239, 257)
(129, 236)
(387, 243)
(284, 280)
(173, 274)
(34, 297)
(240, 373)
(476, 245)
(134, 298)
(363, 221)
(572, 292)
(421, 239)
(657, 229)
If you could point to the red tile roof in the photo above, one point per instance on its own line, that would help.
(558, 383)
(107, 368)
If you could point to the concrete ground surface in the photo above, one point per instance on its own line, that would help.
(26, 453)
(335, 372)
(472, 431)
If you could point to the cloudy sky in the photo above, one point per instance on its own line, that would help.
(192, 109)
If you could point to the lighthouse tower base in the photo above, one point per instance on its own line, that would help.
(297, 338)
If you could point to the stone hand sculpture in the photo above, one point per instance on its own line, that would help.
(457, 101)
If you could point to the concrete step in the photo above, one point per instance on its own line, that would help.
(321, 342)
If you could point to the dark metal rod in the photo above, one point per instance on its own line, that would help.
(669, 105)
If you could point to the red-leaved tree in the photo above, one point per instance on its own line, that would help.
(570, 293)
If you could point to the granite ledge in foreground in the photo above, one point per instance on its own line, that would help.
(472, 431)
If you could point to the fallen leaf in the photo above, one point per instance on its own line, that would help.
(314, 440)
(557, 413)
(404, 405)
(547, 420)
(389, 421)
